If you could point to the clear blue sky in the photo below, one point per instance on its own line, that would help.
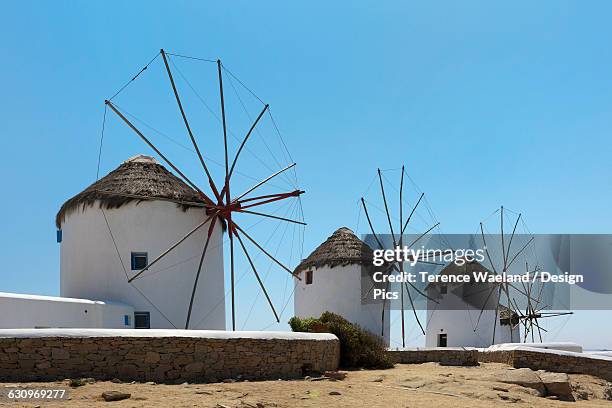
(486, 103)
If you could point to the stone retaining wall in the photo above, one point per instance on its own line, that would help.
(573, 363)
(442, 355)
(501, 356)
(163, 359)
(541, 360)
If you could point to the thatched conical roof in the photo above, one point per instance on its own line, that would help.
(343, 247)
(137, 177)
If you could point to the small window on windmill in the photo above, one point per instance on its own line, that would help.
(139, 260)
(142, 320)
(443, 289)
(309, 277)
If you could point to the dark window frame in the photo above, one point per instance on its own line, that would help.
(308, 277)
(140, 315)
(135, 256)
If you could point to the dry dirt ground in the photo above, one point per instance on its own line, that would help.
(419, 385)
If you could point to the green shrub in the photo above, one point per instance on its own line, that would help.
(358, 347)
(303, 325)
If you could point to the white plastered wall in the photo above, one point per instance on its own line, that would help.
(338, 290)
(32, 311)
(459, 320)
(92, 269)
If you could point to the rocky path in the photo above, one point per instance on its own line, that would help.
(418, 385)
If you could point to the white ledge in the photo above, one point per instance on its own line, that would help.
(24, 296)
(561, 346)
(510, 346)
(209, 334)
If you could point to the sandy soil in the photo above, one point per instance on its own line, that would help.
(421, 385)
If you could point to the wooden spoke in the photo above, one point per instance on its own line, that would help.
(384, 307)
(412, 212)
(246, 138)
(365, 209)
(195, 283)
(226, 185)
(264, 251)
(143, 137)
(262, 197)
(496, 313)
(519, 290)
(420, 292)
(552, 314)
(273, 197)
(384, 197)
(502, 238)
(521, 250)
(226, 189)
(540, 329)
(484, 306)
(413, 309)
(401, 205)
(486, 248)
(398, 240)
(423, 234)
(219, 206)
(402, 315)
(261, 183)
(401, 236)
(263, 288)
(193, 141)
(509, 307)
(231, 238)
(270, 216)
(511, 237)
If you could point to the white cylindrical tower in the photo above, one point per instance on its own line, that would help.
(331, 280)
(122, 222)
(465, 315)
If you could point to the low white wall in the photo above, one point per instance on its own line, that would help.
(31, 311)
(167, 333)
(558, 346)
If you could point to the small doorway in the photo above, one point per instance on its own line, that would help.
(442, 340)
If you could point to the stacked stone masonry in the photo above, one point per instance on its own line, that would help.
(444, 356)
(571, 364)
(535, 360)
(168, 359)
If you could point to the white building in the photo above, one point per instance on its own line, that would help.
(40, 312)
(331, 280)
(454, 316)
(108, 233)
